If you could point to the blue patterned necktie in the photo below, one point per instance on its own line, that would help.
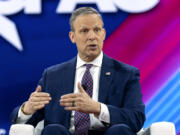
(82, 120)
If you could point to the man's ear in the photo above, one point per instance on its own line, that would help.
(71, 36)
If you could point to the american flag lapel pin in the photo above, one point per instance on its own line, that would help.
(108, 73)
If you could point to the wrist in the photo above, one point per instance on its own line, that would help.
(97, 109)
(24, 110)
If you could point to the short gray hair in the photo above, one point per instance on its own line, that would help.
(83, 11)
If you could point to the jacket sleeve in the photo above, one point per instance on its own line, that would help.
(132, 110)
(14, 115)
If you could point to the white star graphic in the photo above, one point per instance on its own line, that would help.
(9, 32)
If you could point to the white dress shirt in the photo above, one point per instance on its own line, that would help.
(95, 70)
(95, 122)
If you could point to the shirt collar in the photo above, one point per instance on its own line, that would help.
(96, 62)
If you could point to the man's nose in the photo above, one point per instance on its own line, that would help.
(91, 35)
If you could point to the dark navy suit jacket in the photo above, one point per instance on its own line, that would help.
(120, 91)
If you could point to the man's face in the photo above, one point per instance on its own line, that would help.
(88, 35)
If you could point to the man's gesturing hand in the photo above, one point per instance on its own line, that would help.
(82, 102)
(36, 101)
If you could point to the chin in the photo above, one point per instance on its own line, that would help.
(94, 55)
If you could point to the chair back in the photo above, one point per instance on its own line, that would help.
(21, 129)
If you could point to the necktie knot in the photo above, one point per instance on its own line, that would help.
(88, 66)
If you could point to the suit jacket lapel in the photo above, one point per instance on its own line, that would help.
(69, 76)
(68, 83)
(105, 78)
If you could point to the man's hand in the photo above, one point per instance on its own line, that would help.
(82, 102)
(36, 101)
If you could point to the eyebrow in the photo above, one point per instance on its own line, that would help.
(82, 27)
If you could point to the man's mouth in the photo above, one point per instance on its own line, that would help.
(92, 46)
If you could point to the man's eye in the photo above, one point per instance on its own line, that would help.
(84, 30)
(97, 29)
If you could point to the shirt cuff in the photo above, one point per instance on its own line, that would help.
(104, 114)
(22, 118)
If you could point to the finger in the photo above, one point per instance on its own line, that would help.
(67, 100)
(72, 95)
(38, 89)
(40, 94)
(39, 106)
(66, 104)
(71, 108)
(40, 103)
(81, 90)
(39, 99)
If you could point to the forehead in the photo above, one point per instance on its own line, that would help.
(87, 20)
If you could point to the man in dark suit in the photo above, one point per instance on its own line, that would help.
(90, 94)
